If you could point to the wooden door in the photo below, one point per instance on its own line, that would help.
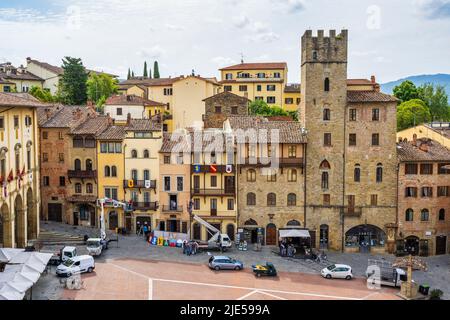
(113, 220)
(229, 184)
(441, 243)
(93, 217)
(271, 235)
(197, 183)
(55, 212)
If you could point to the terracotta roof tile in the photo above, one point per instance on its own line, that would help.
(19, 100)
(293, 88)
(92, 126)
(227, 93)
(123, 99)
(62, 116)
(369, 96)
(113, 133)
(406, 151)
(149, 82)
(257, 66)
(143, 125)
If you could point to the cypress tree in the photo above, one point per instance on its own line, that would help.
(156, 70)
(149, 73)
(132, 74)
(145, 70)
(129, 74)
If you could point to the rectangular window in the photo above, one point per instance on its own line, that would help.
(27, 121)
(166, 159)
(259, 98)
(230, 204)
(213, 206)
(234, 110)
(179, 183)
(259, 87)
(352, 115)
(271, 87)
(45, 157)
(119, 111)
(62, 181)
(411, 168)
(352, 139)
(60, 135)
(272, 177)
(326, 114)
(271, 100)
(196, 204)
(45, 135)
(114, 193)
(227, 88)
(213, 181)
(375, 139)
(229, 76)
(327, 139)
(2, 123)
(46, 181)
(118, 146)
(426, 168)
(411, 192)
(444, 168)
(260, 75)
(375, 114)
(218, 109)
(326, 200)
(277, 75)
(373, 200)
(292, 151)
(427, 192)
(289, 101)
(16, 122)
(242, 88)
(443, 191)
(244, 75)
(166, 183)
(103, 147)
(168, 91)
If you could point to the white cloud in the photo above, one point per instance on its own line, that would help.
(241, 21)
(154, 52)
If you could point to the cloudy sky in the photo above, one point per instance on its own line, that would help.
(390, 39)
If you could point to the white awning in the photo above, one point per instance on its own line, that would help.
(294, 233)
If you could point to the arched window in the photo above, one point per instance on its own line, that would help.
(326, 114)
(251, 199)
(77, 164)
(78, 142)
(251, 175)
(107, 171)
(134, 174)
(134, 153)
(325, 180)
(88, 165)
(291, 200)
(293, 223)
(325, 165)
(89, 142)
(292, 175)
(78, 188)
(146, 174)
(357, 173)
(89, 188)
(146, 154)
(113, 171)
(379, 173)
(409, 214)
(442, 215)
(271, 199)
(424, 215)
(326, 84)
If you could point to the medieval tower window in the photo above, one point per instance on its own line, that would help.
(409, 215)
(326, 85)
(424, 215)
(326, 114)
(314, 55)
(375, 114)
(327, 139)
(251, 199)
(379, 173)
(357, 173)
(352, 139)
(325, 180)
(77, 165)
(375, 139)
(251, 175)
(442, 215)
(292, 200)
(271, 200)
(352, 115)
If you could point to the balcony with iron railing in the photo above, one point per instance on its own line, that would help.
(131, 183)
(172, 209)
(82, 174)
(145, 206)
(213, 192)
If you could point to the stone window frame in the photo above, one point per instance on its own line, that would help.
(424, 215)
(251, 175)
(409, 215)
(379, 173)
(291, 200)
(375, 139)
(78, 188)
(271, 199)
(441, 214)
(292, 175)
(352, 140)
(251, 199)
(357, 173)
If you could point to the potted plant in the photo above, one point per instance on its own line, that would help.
(436, 294)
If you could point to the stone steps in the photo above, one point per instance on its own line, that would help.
(58, 238)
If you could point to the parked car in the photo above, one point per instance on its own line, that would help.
(224, 263)
(76, 265)
(264, 270)
(338, 271)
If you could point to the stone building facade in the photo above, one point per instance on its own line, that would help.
(348, 153)
(222, 105)
(423, 197)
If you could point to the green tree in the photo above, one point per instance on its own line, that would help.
(411, 113)
(406, 91)
(261, 108)
(72, 87)
(145, 74)
(436, 99)
(156, 70)
(132, 74)
(42, 95)
(100, 87)
(129, 74)
(149, 73)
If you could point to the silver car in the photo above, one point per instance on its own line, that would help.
(224, 263)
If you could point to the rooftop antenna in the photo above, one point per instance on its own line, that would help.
(242, 57)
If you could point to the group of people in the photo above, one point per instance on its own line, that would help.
(190, 247)
(287, 249)
(144, 230)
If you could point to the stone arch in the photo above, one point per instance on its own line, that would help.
(293, 223)
(19, 223)
(5, 226)
(325, 165)
(32, 216)
(251, 222)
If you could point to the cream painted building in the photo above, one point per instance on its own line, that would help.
(437, 131)
(19, 169)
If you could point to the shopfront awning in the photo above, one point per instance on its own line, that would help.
(294, 233)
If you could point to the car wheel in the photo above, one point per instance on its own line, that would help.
(217, 268)
(237, 268)
(348, 278)
(328, 276)
(258, 275)
(90, 270)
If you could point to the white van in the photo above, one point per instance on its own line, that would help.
(76, 265)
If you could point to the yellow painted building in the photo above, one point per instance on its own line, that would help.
(437, 131)
(19, 169)
(7, 86)
(111, 173)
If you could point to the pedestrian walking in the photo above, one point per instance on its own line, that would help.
(138, 228)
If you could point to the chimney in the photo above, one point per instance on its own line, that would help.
(48, 113)
(414, 142)
(110, 120)
(372, 79)
(424, 146)
(128, 118)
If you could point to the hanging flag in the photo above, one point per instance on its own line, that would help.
(23, 171)
(213, 168)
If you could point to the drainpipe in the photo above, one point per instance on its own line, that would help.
(304, 183)
(343, 180)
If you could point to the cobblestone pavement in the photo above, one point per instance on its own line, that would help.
(132, 246)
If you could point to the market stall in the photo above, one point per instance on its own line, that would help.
(294, 238)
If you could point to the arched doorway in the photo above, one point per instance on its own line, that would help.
(251, 231)
(6, 229)
(113, 220)
(197, 231)
(19, 223)
(32, 218)
(364, 237)
(324, 231)
(412, 245)
(230, 231)
(271, 235)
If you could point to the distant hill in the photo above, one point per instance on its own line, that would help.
(440, 78)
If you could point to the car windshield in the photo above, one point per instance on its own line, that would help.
(331, 267)
(68, 263)
(93, 244)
